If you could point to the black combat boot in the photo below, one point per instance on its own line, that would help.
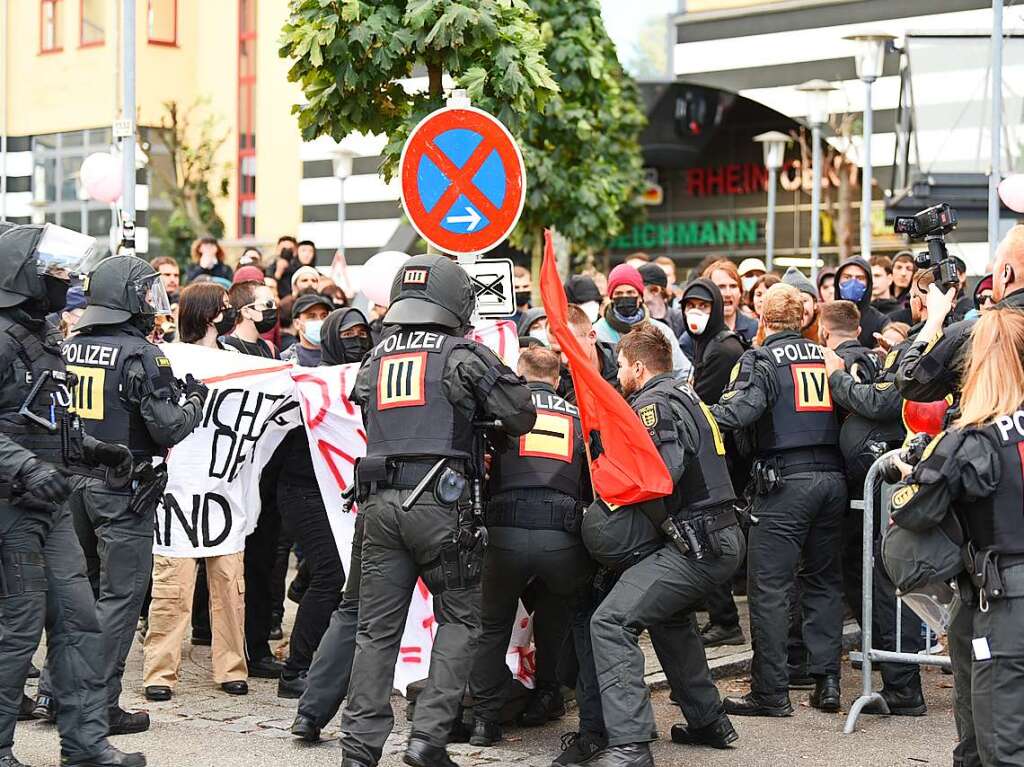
(719, 734)
(628, 755)
(485, 733)
(755, 704)
(579, 748)
(123, 722)
(826, 695)
(421, 753)
(305, 728)
(108, 757)
(545, 704)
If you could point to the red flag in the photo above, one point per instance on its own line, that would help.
(630, 469)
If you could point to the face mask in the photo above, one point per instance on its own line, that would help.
(748, 283)
(697, 321)
(226, 323)
(266, 323)
(626, 306)
(540, 335)
(522, 298)
(852, 290)
(311, 330)
(354, 349)
(208, 260)
(56, 292)
(592, 309)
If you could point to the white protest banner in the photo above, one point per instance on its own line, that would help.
(501, 337)
(212, 500)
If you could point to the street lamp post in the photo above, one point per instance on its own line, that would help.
(870, 58)
(341, 159)
(817, 92)
(773, 144)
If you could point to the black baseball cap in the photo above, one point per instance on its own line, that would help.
(580, 288)
(308, 301)
(652, 274)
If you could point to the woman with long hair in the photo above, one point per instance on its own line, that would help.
(976, 471)
(204, 314)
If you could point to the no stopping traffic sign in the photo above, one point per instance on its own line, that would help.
(463, 180)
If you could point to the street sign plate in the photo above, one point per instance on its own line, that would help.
(463, 182)
(123, 128)
(492, 281)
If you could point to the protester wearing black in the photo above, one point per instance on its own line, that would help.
(41, 561)
(780, 393)
(716, 350)
(421, 390)
(658, 298)
(659, 585)
(305, 517)
(127, 394)
(537, 489)
(853, 283)
(346, 340)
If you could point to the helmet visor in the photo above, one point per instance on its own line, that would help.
(64, 252)
(153, 295)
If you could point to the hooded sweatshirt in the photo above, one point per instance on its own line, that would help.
(714, 352)
(871, 320)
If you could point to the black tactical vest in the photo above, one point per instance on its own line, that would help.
(802, 415)
(997, 522)
(37, 360)
(551, 456)
(408, 413)
(98, 363)
(860, 362)
(705, 483)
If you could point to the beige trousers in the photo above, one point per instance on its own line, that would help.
(170, 615)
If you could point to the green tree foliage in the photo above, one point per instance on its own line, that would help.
(189, 176)
(583, 153)
(546, 69)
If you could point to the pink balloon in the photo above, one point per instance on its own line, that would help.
(378, 273)
(101, 177)
(1011, 192)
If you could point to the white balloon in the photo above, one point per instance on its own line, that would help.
(101, 177)
(378, 273)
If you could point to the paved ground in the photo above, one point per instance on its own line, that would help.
(203, 726)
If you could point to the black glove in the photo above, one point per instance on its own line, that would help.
(45, 481)
(117, 457)
(196, 390)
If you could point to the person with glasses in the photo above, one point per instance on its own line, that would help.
(256, 305)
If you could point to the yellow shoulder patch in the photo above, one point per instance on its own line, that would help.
(932, 445)
(163, 362)
(890, 358)
(883, 385)
(902, 496)
(734, 373)
(729, 395)
(648, 415)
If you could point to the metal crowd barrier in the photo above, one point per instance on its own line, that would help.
(868, 654)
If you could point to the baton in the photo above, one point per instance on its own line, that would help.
(421, 488)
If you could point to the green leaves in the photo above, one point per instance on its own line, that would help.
(546, 68)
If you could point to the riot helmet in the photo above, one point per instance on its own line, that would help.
(37, 262)
(431, 290)
(122, 288)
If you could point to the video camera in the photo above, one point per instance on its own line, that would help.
(911, 455)
(931, 225)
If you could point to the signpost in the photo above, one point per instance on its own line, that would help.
(463, 182)
(492, 282)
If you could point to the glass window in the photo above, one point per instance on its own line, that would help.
(49, 26)
(73, 138)
(69, 169)
(72, 219)
(47, 141)
(100, 137)
(163, 22)
(99, 223)
(48, 167)
(93, 24)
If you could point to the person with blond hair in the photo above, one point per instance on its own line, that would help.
(974, 470)
(779, 391)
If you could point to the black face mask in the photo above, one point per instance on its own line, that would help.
(355, 348)
(56, 292)
(522, 297)
(626, 306)
(227, 322)
(266, 323)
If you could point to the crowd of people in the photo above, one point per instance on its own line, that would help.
(767, 396)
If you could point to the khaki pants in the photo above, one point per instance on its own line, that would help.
(170, 612)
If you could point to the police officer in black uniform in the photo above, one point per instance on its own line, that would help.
(975, 469)
(537, 490)
(421, 390)
(41, 563)
(127, 394)
(345, 339)
(781, 390)
(661, 584)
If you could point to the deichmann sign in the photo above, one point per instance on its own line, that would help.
(690, 234)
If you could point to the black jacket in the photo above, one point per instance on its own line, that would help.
(716, 350)
(609, 363)
(871, 320)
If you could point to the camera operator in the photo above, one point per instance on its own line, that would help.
(975, 470)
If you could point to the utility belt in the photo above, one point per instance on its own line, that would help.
(769, 472)
(378, 473)
(535, 509)
(994, 576)
(699, 530)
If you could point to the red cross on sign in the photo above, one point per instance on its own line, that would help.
(463, 180)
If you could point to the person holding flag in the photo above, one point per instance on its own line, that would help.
(666, 533)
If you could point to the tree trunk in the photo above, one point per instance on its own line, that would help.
(434, 77)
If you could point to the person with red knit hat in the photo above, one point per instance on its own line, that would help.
(626, 310)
